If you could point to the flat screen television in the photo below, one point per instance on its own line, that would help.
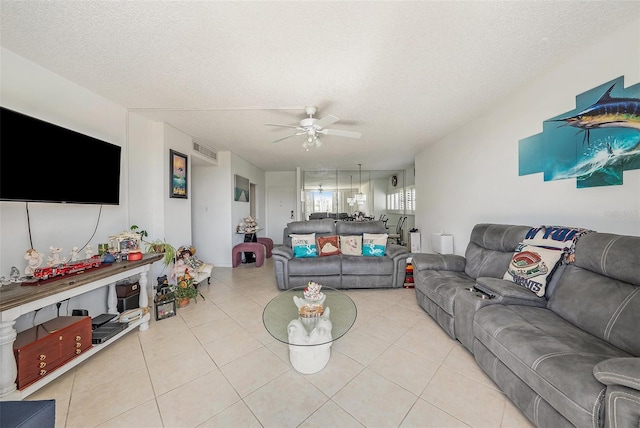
(43, 162)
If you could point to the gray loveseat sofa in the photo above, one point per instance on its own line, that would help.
(570, 358)
(339, 271)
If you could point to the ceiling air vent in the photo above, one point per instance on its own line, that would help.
(205, 151)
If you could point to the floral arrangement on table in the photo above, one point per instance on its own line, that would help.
(248, 225)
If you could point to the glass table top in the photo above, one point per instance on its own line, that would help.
(281, 310)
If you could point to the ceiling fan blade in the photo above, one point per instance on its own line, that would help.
(285, 126)
(288, 136)
(339, 133)
(326, 121)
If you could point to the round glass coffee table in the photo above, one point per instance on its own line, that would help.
(309, 338)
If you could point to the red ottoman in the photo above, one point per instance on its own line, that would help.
(268, 244)
(248, 247)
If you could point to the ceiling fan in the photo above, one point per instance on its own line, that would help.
(312, 128)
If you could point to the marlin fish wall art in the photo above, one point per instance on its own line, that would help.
(595, 143)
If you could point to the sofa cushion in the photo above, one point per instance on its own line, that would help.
(328, 245)
(304, 245)
(441, 286)
(325, 227)
(554, 357)
(531, 267)
(606, 308)
(606, 277)
(615, 256)
(491, 247)
(351, 245)
(355, 265)
(329, 265)
(374, 244)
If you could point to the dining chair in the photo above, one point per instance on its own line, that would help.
(398, 235)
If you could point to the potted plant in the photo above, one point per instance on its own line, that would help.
(143, 233)
(156, 246)
(162, 246)
(184, 290)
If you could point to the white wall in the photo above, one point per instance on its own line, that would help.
(211, 211)
(280, 194)
(240, 210)
(144, 193)
(379, 196)
(147, 184)
(471, 176)
(35, 91)
(177, 217)
(214, 212)
(30, 89)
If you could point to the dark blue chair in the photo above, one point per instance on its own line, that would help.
(28, 414)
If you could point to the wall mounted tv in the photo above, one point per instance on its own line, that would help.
(43, 162)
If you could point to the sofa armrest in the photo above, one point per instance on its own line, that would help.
(283, 251)
(394, 250)
(281, 255)
(497, 287)
(204, 272)
(451, 262)
(619, 371)
(509, 293)
(622, 396)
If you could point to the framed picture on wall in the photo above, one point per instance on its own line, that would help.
(241, 189)
(179, 175)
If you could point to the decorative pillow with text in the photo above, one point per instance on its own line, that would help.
(351, 245)
(304, 245)
(532, 267)
(374, 244)
(328, 245)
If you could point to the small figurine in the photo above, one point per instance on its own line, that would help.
(54, 258)
(88, 252)
(162, 282)
(75, 254)
(34, 260)
(15, 274)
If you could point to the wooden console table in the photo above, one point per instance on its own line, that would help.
(17, 300)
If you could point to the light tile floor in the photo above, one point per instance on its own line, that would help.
(215, 365)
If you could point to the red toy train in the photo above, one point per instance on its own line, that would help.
(66, 268)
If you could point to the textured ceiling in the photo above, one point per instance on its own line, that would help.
(402, 73)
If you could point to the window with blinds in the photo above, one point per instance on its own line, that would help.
(403, 200)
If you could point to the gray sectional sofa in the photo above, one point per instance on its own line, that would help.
(569, 358)
(339, 271)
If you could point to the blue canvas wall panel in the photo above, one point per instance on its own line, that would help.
(595, 143)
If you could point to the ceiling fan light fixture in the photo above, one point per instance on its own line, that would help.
(313, 127)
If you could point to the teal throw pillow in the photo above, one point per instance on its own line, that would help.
(374, 244)
(304, 245)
